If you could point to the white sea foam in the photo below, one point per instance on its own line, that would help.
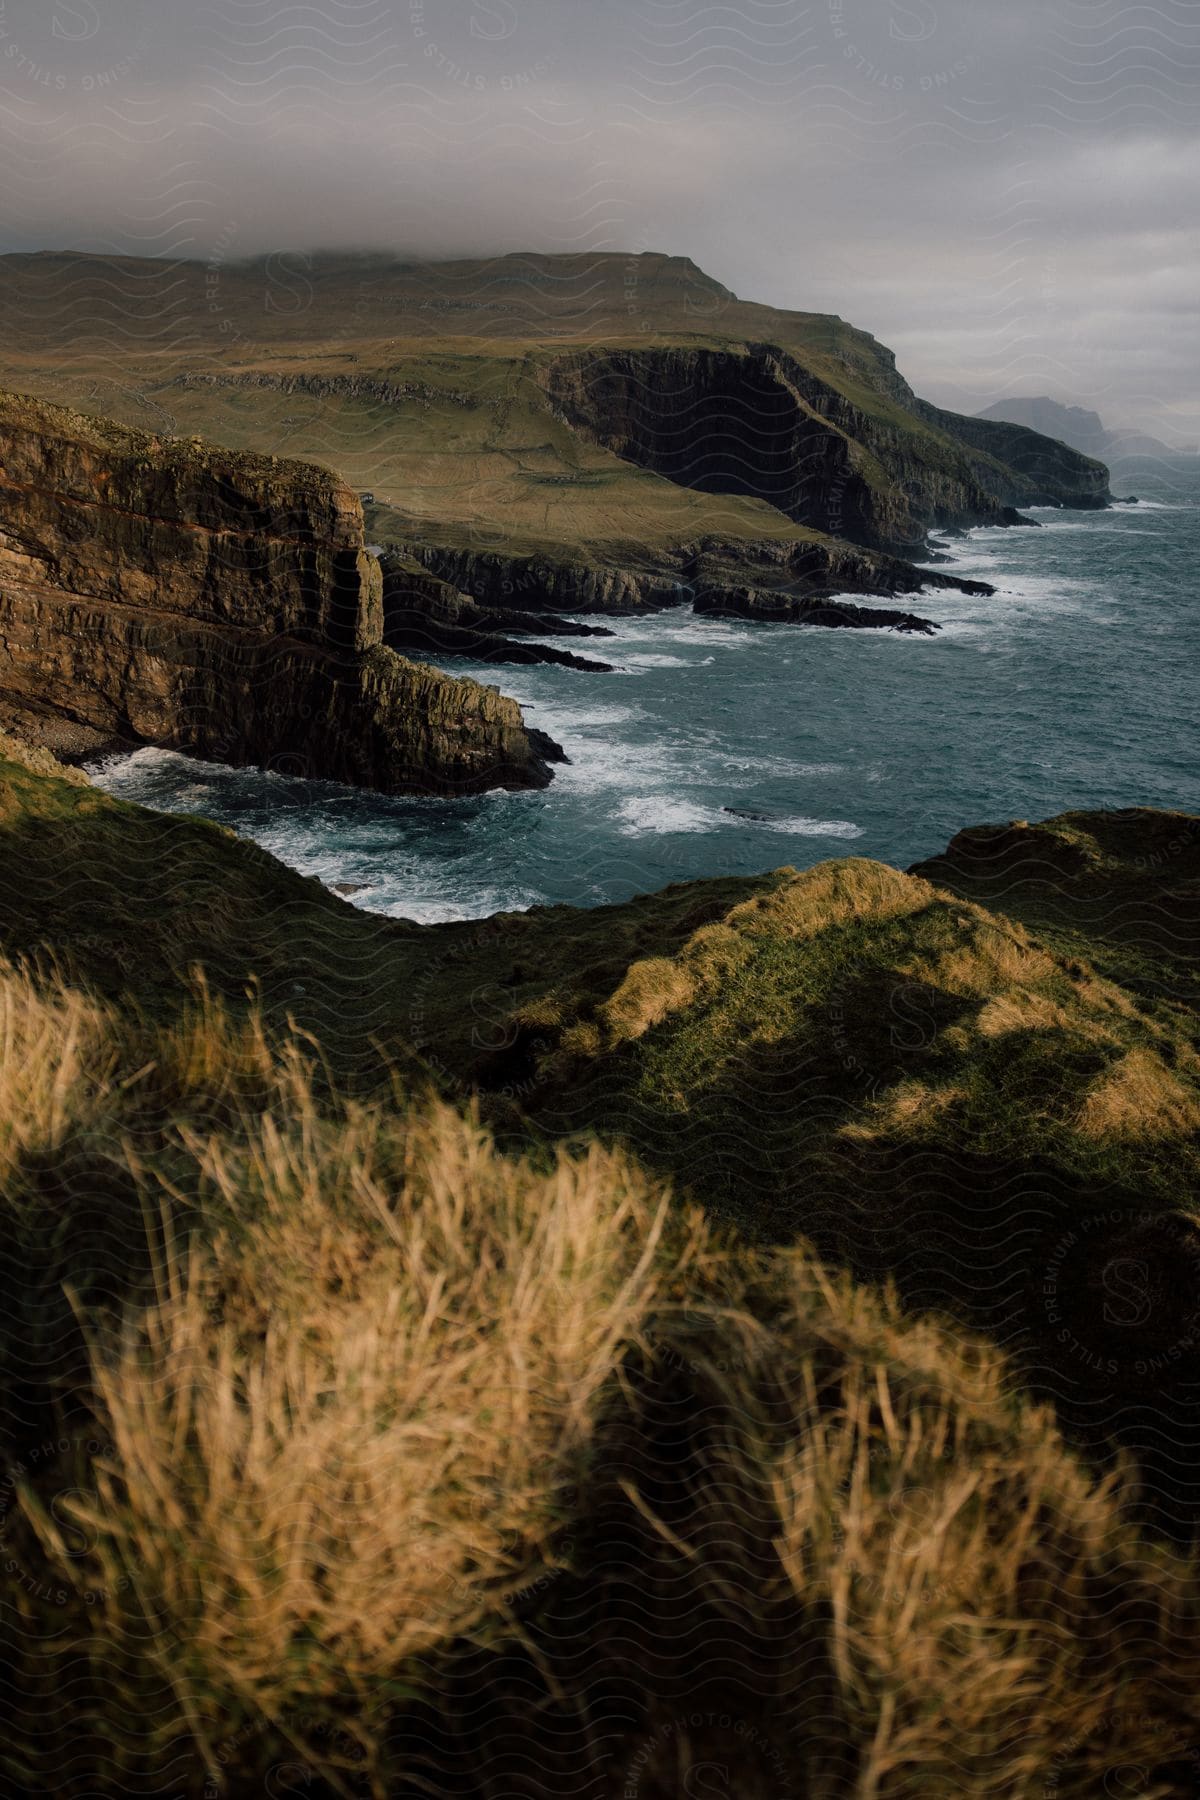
(781, 766)
(662, 814)
(125, 773)
(442, 910)
(658, 757)
(1148, 506)
(658, 814)
(585, 718)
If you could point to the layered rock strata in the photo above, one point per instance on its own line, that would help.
(166, 592)
(802, 581)
(421, 612)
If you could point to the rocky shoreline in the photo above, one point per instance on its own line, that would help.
(156, 589)
(537, 469)
(805, 582)
(429, 616)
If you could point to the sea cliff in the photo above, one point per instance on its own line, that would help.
(155, 590)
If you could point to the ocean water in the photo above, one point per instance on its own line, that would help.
(720, 748)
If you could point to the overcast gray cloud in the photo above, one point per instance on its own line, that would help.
(1003, 192)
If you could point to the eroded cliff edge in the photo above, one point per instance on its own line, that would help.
(167, 592)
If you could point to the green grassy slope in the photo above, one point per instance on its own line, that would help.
(130, 904)
(1122, 887)
(851, 1010)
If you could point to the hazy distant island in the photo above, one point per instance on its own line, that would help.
(1086, 432)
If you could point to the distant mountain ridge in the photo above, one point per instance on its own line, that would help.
(1081, 429)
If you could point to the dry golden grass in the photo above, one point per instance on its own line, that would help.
(340, 1433)
(956, 1579)
(1139, 1098)
(1019, 1010)
(653, 988)
(992, 957)
(360, 1410)
(831, 894)
(377, 1400)
(935, 1597)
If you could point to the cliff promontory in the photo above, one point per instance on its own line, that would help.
(155, 590)
(753, 419)
(559, 434)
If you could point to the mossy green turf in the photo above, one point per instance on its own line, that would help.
(1122, 888)
(131, 904)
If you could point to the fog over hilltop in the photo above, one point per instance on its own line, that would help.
(1005, 195)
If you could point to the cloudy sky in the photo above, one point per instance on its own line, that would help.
(1005, 191)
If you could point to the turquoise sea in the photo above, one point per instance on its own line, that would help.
(722, 748)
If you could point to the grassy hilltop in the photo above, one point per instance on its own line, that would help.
(417, 1372)
(594, 410)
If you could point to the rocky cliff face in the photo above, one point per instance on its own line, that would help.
(734, 422)
(546, 584)
(425, 373)
(755, 420)
(168, 592)
(424, 613)
(1034, 470)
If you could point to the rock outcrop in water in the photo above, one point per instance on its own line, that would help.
(167, 592)
(769, 579)
(542, 584)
